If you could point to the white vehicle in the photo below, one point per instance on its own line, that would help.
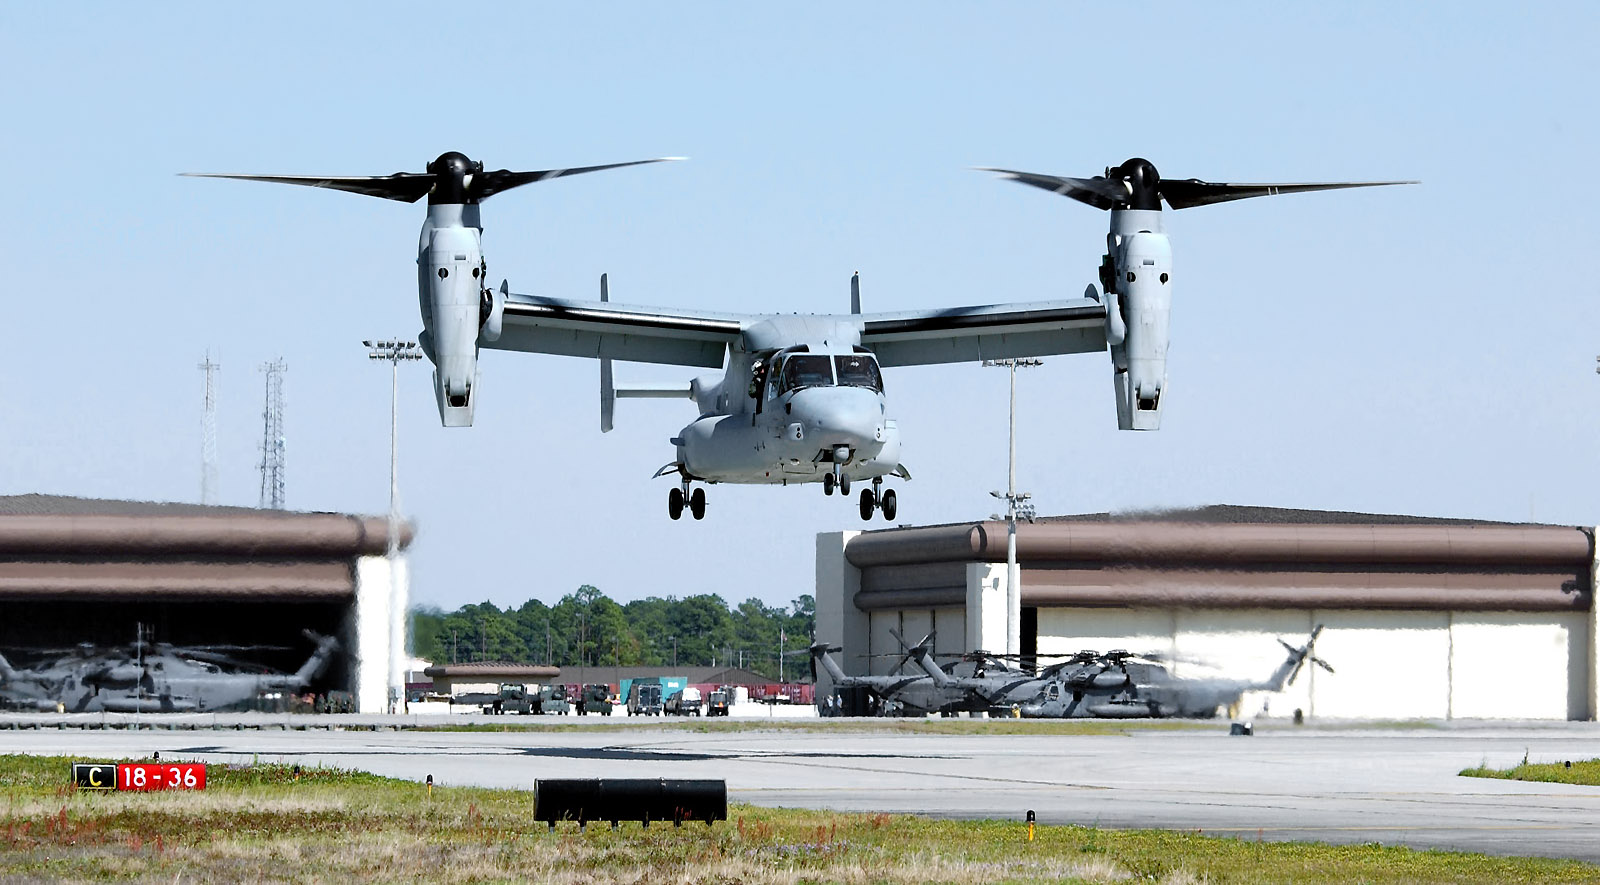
(685, 703)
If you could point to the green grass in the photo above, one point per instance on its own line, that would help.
(266, 822)
(1585, 773)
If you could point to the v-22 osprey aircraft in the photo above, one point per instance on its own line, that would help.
(800, 398)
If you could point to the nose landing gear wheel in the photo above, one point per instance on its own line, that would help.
(827, 484)
(890, 505)
(697, 503)
(675, 503)
(867, 504)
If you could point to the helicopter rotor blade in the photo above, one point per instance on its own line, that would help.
(1099, 192)
(406, 187)
(1191, 192)
(487, 184)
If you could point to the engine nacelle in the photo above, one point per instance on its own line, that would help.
(493, 306)
(1143, 302)
(455, 292)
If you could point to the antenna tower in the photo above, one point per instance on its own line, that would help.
(208, 434)
(272, 453)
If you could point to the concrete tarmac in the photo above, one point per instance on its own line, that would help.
(1331, 784)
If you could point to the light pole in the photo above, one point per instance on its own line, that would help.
(1017, 504)
(395, 352)
(674, 651)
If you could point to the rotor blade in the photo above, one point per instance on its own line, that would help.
(487, 184)
(407, 187)
(1099, 192)
(1323, 664)
(1194, 192)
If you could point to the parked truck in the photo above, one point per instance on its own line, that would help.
(644, 699)
(717, 703)
(512, 698)
(553, 699)
(683, 703)
(596, 698)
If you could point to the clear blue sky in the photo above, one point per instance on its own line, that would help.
(1422, 350)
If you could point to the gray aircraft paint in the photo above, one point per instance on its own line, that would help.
(166, 681)
(757, 433)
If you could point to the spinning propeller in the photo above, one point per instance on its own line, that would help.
(452, 178)
(1136, 272)
(1136, 185)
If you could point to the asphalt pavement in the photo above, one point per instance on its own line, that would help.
(1332, 784)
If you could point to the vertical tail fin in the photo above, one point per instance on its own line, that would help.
(1290, 668)
(926, 663)
(313, 667)
(819, 655)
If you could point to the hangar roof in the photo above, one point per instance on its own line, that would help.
(1228, 556)
(39, 505)
(58, 547)
(493, 670)
(1237, 513)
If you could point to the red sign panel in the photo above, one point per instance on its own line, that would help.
(161, 776)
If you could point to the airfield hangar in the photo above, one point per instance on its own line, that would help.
(75, 570)
(1423, 618)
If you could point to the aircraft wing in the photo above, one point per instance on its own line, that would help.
(603, 329)
(993, 331)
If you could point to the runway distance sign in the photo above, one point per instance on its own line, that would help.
(139, 776)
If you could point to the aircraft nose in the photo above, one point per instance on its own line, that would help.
(844, 417)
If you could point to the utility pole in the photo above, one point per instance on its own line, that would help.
(1016, 505)
(272, 442)
(208, 434)
(395, 352)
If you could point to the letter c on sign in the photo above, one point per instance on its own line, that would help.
(94, 777)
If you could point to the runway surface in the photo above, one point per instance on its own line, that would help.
(1324, 784)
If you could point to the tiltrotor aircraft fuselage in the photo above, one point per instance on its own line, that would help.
(800, 397)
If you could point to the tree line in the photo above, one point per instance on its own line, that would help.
(587, 628)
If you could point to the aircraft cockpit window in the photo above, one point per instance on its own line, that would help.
(859, 370)
(805, 370)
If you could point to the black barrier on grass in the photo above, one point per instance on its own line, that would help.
(620, 799)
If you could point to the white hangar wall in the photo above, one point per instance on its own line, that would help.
(1520, 643)
(1388, 664)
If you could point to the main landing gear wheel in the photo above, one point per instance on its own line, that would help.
(827, 484)
(697, 503)
(675, 503)
(844, 485)
(877, 498)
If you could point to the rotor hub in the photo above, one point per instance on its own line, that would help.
(1142, 182)
(452, 173)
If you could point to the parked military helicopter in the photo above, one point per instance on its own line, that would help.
(911, 694)
(800, 398)
(1121, 685)
(158, 678)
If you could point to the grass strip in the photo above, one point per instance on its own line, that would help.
(1584, 773)
(273, 822)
